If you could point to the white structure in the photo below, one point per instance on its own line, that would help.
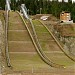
(65, 0)
(44, 17)
(24, 10)
(8, 4)
(73, 1)
(59, 0)
(51, 0)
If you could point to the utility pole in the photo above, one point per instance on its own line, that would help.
(43, 6)
(40, 10)
(28, 11)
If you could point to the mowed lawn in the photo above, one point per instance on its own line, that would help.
(30, 61)
(27, 61)
(60, 58)
(48, 44)
(18, 37)
(45, 39)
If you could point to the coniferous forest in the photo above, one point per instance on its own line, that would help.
(43, 6)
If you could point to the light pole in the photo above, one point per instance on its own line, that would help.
(43, 6)
(40, 10)
(28, 11)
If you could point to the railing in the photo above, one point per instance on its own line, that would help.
(6, 33)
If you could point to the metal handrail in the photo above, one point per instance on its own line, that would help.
(7, 9)
(6, 40)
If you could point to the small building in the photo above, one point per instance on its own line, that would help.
(65, 17)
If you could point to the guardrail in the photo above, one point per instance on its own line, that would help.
(6, 40)
(7, 9)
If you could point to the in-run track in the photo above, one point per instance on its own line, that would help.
(21, 38)
(35, 37)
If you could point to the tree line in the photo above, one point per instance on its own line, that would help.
(42, 6)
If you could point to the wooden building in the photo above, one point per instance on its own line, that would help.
(65, 17)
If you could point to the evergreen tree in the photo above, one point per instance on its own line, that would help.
(42, 6)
